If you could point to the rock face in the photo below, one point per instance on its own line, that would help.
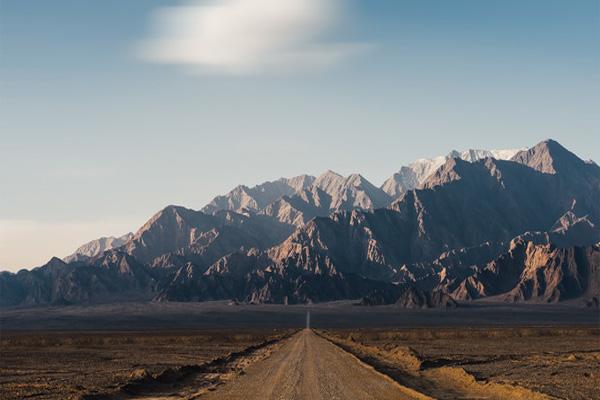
(461, 206)
(309, 197)
(351, 192)
(536, 272)
(296, 201)
(96, 247)
(268, 285)
(114, 276)
(414, 175)
(201, 237)
(330, 193)
(414, 298)
(409, 297)
(243, 198)
(525, 229)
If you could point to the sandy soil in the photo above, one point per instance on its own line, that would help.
(554, 361)
(309, 367)
(487, 351)
(328, 364)
(67, 365)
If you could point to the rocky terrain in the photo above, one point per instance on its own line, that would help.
(414, 175)
(463, 227)
(83, 365)
(491, 363)
(530, 272)
(518, 362)
(91, 249)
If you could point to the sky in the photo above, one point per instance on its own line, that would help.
(111, 110)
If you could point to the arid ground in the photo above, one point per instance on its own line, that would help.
(60, 365)
(448, 363)
(545, 352)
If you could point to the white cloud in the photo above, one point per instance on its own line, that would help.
(247, 36)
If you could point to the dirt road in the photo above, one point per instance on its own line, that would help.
(309, 367)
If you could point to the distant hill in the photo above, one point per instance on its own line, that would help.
(468, 226)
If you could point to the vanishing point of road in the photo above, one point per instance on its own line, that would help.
(308, 367)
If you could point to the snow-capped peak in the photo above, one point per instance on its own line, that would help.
(416, 173)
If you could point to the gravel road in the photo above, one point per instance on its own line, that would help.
(309, 367)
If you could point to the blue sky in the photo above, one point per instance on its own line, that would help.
(96, 135)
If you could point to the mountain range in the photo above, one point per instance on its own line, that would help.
(509, 225)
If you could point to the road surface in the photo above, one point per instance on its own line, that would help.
(308, 367)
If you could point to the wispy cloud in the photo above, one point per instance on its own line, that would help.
(247, 36)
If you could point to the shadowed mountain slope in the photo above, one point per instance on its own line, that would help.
(413, 176)
(187, 232)
(520, 230)
(97, 247)
(541, 273)
(462, 205)
(243, 198)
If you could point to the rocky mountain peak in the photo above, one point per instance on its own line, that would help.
(476, 227)
(549, 157)
(169, 215)
(253, 199)
(300, 182)
(55, 262)
(417, 173)
(447, 172)
(95, 247)
(329, 181)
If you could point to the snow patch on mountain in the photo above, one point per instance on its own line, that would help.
(412, 176)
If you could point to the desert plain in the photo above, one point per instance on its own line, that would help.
(223, 351)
